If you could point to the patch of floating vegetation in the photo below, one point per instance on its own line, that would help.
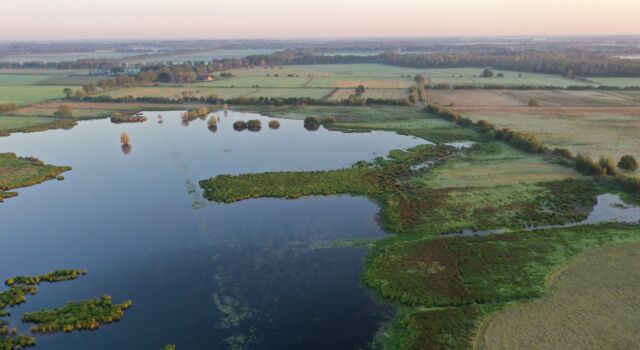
(11, 340)
(19, 288)
(16, 295)
(51, 277)
(16, 172)
(83, 315)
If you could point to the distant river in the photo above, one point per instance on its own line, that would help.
(202, 275)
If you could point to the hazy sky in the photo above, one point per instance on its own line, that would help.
(69, 19)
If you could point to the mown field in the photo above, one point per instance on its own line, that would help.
(592, 304)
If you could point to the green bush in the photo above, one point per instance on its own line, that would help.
(563, 152)
(608, 164)
(64, 111)
(628, 162)
(587, 166)
(254, 125)
(312, 123)
(240, 125)
(330, 120)
(274, 124)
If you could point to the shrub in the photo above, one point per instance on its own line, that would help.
(64, 111)
(628, 162)
(587, 166)
(329, 120)
(608, 164)
(534, 103)
(125, 139)
(312, 123)
(563, 152)
(526, 142)
(630, 184)
(274, 124)
(6, 107)
(254, 125)
(239, 125)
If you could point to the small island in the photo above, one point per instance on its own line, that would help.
(17, 172)
(83, 315)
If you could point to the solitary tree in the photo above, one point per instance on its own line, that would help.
(487, 73)
(125, 139)
(67, 92)
(360, 90)
(64, 111)
(89, 88)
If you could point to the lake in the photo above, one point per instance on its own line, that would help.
(202, 275)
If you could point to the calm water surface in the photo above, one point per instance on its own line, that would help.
(202, 275)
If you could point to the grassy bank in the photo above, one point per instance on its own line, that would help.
(16, 172)
(454, 283)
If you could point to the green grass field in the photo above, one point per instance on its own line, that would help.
(471, 76)
(496, 164)
(22, 79)
(592, 304)
(16, 123)
(620, 82)
(23, 95)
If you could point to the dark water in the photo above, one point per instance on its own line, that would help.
(201, 275)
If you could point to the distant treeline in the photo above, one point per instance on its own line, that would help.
(570, 65)
(573, 64)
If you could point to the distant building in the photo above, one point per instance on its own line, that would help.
(205, 77)
(114, 72)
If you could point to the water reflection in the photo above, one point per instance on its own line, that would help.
(126, 149)
(202, 275)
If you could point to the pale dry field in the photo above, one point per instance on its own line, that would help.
(548, 98)
(592, 304)
(609, 131)
(391, 94)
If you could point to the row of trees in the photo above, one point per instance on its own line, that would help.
(243, 100)
(570, 64)
(530, 143)
(583, 64)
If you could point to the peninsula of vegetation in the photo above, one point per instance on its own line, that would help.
(17, 172)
